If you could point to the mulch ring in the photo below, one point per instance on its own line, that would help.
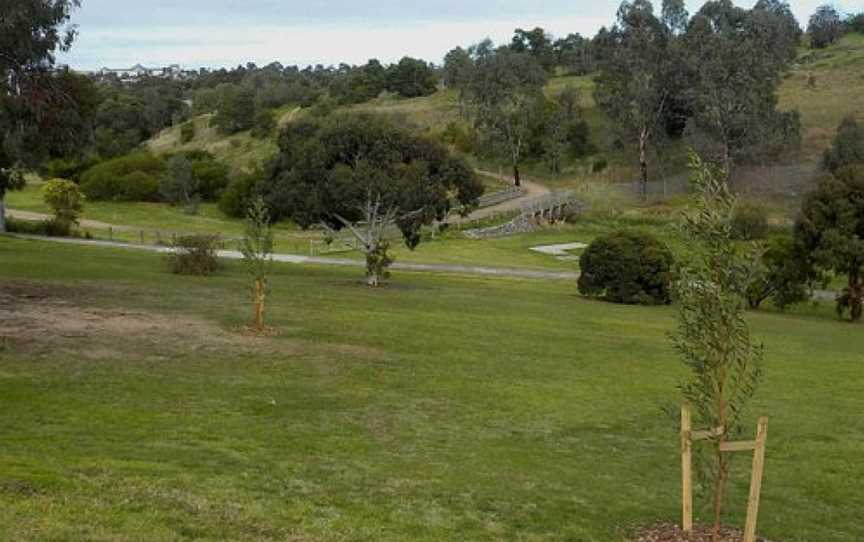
(667, 532)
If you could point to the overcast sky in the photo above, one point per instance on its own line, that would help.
(216, 33)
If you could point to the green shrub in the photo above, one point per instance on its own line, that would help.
(235, 199)
(211, 175)
(460, 137)
(194, 255)
(48, 228)
(263, 124)
(750, 222)
(65, 199)
(187, 132)
(128, 178)
(68, 168)
(599, 165)
(629, 267)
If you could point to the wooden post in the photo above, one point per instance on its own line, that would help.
(110, 233)
(686, 469)
(142, 237)
(158, 238)
(756, 481)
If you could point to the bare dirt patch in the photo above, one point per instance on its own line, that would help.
(40, 319)
(667, 532)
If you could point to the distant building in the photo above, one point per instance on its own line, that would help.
(136, 72)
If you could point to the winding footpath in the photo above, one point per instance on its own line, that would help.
(531, 190)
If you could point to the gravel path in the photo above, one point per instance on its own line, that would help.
(532, 190)
(38, 217)
(345, 262)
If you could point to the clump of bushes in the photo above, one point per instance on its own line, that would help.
(749, 222)
(68, 168)
(194, 255)
(134, 177)
(263, 124)
(66, 201)
(48, 228)
(629, 267)
(460, 137)
(237, 196)
(187, 132)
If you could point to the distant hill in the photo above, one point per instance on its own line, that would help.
(824, 85)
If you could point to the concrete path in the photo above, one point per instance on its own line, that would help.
(315, 260)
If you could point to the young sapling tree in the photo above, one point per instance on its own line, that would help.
(257, 250)
(713, 337)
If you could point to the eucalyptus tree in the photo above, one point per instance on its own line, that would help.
(830, 230)
(825, 26)
(632, 87)
(735, 71)
(503, 96)
(31, 32)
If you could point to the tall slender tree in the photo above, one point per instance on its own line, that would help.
(31, 32)
(632, 87)
(503, 96)
(713, 336)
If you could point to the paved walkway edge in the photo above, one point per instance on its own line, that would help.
(313, 260)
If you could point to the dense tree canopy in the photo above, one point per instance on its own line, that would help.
(411, 78)
(734, 71)
(830, 231)
(847, 148)
(32, 100)
(504, 96)
(366, 173)
(825, 27)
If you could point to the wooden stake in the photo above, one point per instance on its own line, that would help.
(686, 469)
(756, 481)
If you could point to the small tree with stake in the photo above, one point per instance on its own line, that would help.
(713, 336)
(257, 250)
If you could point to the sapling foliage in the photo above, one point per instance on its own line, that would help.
(713, 337)
(257, 250)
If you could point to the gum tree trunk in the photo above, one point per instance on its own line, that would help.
(643, 164)
(2, 216)
(856, 296)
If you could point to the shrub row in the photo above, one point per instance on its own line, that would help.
(135, 177)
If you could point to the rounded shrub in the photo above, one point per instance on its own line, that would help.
(235, 199)
(65, 199)
(128, 178)
(750, 222)
(630, 267)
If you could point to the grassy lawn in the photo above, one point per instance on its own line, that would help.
(439, 408)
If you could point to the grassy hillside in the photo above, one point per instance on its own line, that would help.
(838, 74)
(436, 409)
